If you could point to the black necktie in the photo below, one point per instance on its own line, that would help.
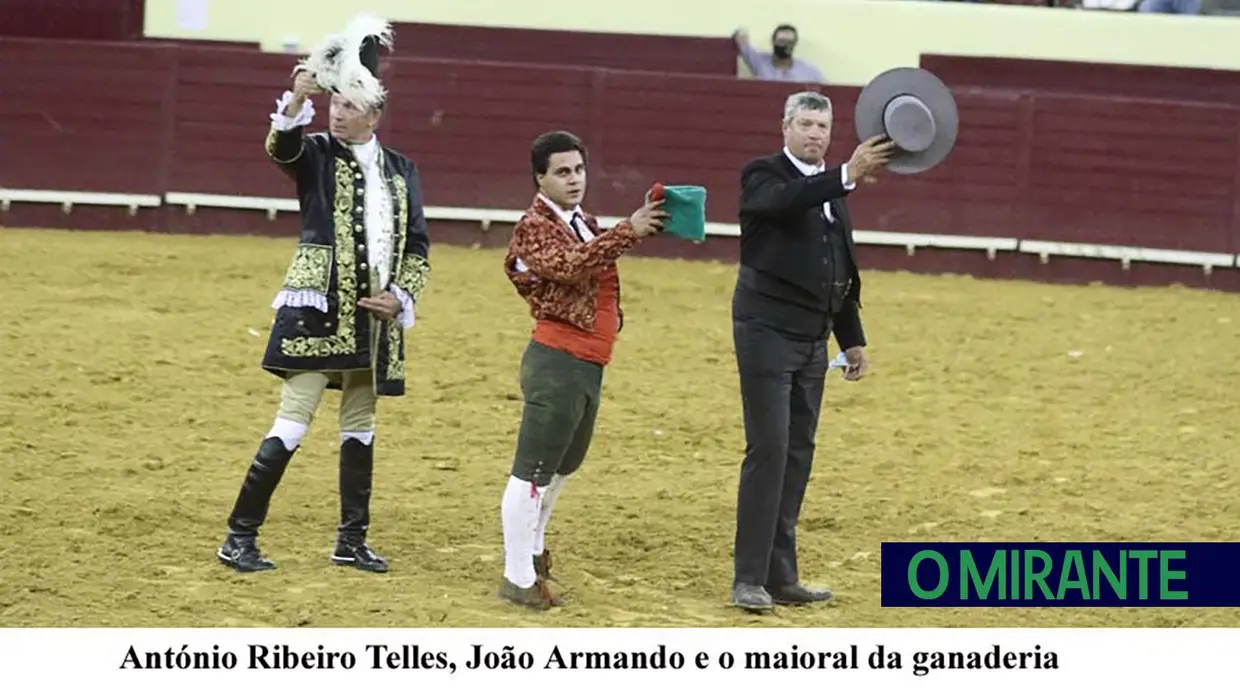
(574, 225)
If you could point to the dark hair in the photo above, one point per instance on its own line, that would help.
(784, 27)
(549, 144)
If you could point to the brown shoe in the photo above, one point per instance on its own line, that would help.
(542, 565)
(538, 596)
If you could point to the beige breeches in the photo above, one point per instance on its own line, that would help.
(302, 393)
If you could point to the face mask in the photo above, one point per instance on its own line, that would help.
(782, 51)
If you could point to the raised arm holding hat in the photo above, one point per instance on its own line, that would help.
(350, 292)
(564, 266)
(798, 283)
(914, 110)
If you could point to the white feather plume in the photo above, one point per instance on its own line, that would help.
(337, 65)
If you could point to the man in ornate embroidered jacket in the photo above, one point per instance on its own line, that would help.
(564, 266)
(347, 299)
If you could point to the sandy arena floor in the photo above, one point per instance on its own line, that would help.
(132, 401)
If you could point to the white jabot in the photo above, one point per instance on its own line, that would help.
(378, 209)
(380, 232)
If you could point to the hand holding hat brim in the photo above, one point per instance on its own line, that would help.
(916, 110)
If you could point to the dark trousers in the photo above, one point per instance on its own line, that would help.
(561, 404)
(781, 379)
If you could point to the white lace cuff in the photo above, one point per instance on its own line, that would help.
(284, 123)
(300, 298)
(406, 306)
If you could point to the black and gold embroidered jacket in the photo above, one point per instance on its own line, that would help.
(331, 259)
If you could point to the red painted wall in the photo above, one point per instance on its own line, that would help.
(682, 54)
(1094, 79)
(159, 118)
(84, 116)
(111, 20)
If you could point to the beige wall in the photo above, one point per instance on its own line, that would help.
(850, 40)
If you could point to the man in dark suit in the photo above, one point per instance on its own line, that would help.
(797, 284)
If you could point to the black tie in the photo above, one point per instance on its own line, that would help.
(577, 229)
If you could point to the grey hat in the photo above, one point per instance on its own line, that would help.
(913, 108)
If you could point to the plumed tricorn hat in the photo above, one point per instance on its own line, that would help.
(348, 63)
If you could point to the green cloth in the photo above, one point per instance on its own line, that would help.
(686, 208)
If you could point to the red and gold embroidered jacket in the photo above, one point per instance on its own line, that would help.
(561, 278)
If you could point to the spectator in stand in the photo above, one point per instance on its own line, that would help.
(1109, 5)
(778, 65)
(1171, 7)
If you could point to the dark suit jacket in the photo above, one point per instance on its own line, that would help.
(783, 237)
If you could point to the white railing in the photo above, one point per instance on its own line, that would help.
(485, 217)
(69, 199)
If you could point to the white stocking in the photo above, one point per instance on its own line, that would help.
(544, 511)
(288, 431)
(519, 510)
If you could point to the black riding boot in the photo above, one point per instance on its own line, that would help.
(356, 468)
(240, 550)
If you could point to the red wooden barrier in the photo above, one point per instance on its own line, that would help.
(1071, 168)
(683, 54)
(1093, 79)
(85, 116)
(108, 20)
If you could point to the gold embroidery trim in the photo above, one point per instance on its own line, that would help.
(395, 331)
(311, 268)
(344, 341)
(395, 337)
(413, 276)
(272, 136)
(402, 213)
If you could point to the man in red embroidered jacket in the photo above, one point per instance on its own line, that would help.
(564, 266)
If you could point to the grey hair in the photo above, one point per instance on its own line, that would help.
(812, 101)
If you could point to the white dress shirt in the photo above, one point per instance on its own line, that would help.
(574, 219)
(809, 170)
